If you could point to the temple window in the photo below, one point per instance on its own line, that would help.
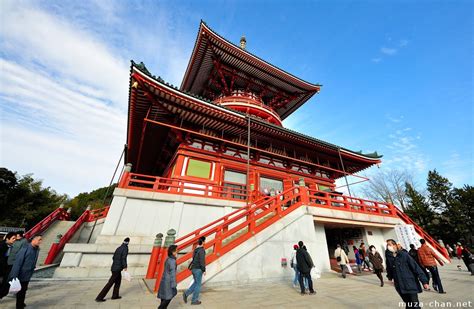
(198, 168)
(235, 184)
(269, 184)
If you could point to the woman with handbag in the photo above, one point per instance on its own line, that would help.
(377, 262)
(168, 282)
(342, 260)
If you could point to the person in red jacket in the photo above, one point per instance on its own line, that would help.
(428, 259)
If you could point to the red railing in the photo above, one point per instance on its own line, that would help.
(353, 204)
(97, 214)
(87, 216)
(405, 218)
(181, 186)
(40, 227)
(228, 232)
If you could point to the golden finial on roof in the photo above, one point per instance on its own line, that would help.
(243, 42)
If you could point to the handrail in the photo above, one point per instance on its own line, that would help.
(58, 214)
(242, 223)
(97, 214)
(87, 216)
(405, 218)
(181, 186)
(57, 247)
(354, 204)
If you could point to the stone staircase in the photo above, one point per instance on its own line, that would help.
(49, 237)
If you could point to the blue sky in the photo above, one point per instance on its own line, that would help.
(397, 77)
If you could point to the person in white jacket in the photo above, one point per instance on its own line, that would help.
(342, 259)
(293, 265)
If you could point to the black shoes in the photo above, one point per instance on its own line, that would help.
(118, 297)
(99, 300)
(185, 298)
(197, 302)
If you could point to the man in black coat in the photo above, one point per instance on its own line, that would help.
(6, 247)
(119, 263)
(24, 267)
(304, 263)
(406, 274)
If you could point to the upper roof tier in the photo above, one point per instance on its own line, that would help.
(218, 67)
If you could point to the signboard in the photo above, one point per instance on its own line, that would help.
(406, 235)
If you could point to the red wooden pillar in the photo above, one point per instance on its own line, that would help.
(155, 254)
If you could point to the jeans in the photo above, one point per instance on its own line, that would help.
(436, 279)
(411, 300)
(195, 288)
(308, 280)
(297, 278)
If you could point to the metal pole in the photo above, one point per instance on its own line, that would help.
(343, 169)
(107, 192)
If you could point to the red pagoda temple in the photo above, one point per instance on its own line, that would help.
(212, 158)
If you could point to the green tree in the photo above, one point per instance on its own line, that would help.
(24, 201)
(419, 210)
(458, 217)
(439, 189)
(94, 198)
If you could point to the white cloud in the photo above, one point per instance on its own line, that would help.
(388, 51)
(64, 85)
(71, 52)
(403, 43)
(376, 60)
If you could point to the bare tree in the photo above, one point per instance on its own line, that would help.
(388, 186)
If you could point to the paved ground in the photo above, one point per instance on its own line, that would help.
(332, 292)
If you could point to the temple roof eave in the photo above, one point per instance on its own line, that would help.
(157, 81)
(302, 89)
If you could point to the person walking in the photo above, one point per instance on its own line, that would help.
(119, 263)
(377, 262)
(363, 256)
(168, 282)
(450, 250)
(414, 255)
(406, 274)
(17, 245)
(358, 259)
(468, 259)
(428, 260)
(24, 266)
(304, 264)
(459, 249)
(6, 247)
(293, 264)
(342, 259)
(198, 268)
